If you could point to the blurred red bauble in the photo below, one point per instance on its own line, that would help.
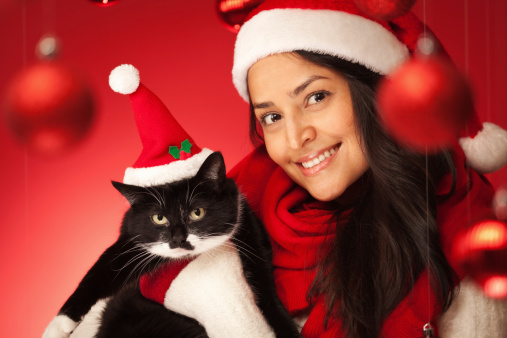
(234, 12)
(482, 252)
(500, 204)
(385, 9)
(104, 3)
(425, 103)
(48, 108)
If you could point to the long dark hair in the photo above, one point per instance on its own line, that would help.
(379, 253)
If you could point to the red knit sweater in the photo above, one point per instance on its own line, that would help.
(300, 232)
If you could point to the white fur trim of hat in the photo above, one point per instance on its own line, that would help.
(332, 32)
(166, 173)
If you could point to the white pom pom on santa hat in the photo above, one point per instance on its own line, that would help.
(124, 79)
(487, 151)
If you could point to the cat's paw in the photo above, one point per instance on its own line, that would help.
(60, 327)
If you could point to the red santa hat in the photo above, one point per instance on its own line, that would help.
(339, 28)
(169, 154)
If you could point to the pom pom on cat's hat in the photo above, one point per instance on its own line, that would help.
(169, 154)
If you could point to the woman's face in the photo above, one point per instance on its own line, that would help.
(306, 115)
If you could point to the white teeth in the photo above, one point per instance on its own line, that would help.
(313, 162)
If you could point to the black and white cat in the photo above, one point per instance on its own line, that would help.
(227, 289)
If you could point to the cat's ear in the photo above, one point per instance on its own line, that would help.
(131, 192)
(213, 168)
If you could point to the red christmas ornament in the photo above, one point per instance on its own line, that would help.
(384, 9)
(232, 13)
(425, 103)
(48, 108)
(104, 3)
(482, 252)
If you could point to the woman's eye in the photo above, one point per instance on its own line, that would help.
(197, 214)
(159, 219)
(270, 118)
(316, 98)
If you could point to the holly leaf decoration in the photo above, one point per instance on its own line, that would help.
(173, 150)
(185, 146)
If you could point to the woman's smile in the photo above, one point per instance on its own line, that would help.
(318, 161)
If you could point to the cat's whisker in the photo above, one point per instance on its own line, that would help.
(242, 248)
(194, 197)
(192, 194)
(210, 257)
(130, 240)
(137, 247)
(154, 204)
(153, 192)
(146, 260)
(234, 239)
(140, 255)
(162, 199)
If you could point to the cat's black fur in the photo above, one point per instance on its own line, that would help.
(117, 271)
(130, 315)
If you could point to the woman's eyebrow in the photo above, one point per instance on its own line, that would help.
(263, 105)
(294, 93)
(305, 84)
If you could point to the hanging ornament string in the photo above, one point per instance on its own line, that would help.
(469, 216)
(428, 239)
(25, 148)
(49, 17)
(425, 331)
(488, 66)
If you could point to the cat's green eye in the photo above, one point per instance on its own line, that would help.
(197, 214)
(159, 219)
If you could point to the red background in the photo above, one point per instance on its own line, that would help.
(57, 215)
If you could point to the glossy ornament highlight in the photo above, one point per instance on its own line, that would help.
(104, 3)
(482, 252)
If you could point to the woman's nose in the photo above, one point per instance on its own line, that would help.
(299, 132)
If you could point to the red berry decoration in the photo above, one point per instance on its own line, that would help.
(425, 103)
(232, 13)
(48, 108)
(482, 252)
(384, 9)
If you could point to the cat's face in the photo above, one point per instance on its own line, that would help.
(184, 218)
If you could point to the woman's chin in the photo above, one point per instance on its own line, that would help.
(324, 193)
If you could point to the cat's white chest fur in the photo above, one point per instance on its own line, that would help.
(213, 290)
(210, 289)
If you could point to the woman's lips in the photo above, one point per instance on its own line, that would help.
(318, 162)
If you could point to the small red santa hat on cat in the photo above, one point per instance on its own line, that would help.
(169, 154)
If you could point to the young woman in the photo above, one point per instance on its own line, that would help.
(361, 228)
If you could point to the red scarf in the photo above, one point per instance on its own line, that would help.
(301, 231)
